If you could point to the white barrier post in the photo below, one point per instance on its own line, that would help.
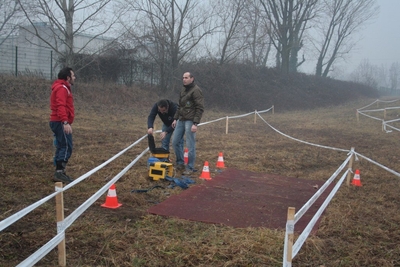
(62, 260)
(350, 167)
(255, 116)
(226, 127)
(273, 109)
(289, 238)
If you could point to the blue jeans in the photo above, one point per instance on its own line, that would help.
(184, 128)
(165, 142)
(64, 144)
(167, 138)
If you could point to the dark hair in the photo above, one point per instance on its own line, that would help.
(191, 75)
(163, 103)
(65, 73)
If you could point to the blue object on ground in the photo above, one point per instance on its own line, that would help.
(181, 182)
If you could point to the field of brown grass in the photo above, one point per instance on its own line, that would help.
(359, 227)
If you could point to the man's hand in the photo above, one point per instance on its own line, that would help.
(162, 135)
(173, 124)
(150, 131)
(194, 128)
(67, 128)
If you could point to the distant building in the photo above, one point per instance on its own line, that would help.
(28, 54)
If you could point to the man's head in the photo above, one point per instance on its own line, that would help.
(163, 106)
(188, 78)
(67, 74)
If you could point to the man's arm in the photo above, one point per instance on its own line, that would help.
(198, 100)
(151, 118)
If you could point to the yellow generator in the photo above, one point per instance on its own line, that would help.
(158, 170)
(158, 164)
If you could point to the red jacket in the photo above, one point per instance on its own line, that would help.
(62, 102)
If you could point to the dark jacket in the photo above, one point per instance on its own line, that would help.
(62, 102)
(191, 104)
(167, 118)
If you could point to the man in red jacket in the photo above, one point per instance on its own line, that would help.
(61, 117)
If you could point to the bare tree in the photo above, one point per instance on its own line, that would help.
(169, 31)
(345, 17)
(230, 17)
(10, 18)
(67, 19)
(366, 73)
(394, 76)
(288, 20)
(257, 34)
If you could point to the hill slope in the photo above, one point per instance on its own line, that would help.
(224, 89)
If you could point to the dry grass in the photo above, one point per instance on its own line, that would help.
(359, 228)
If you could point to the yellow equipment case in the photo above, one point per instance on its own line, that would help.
(158, 170)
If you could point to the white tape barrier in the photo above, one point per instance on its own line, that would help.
(15, 217)
(317, 194)
(372, 110)
(62, 226)
(86, 175)
(384, 123)
(235, 117)
(301, 141)
(43, 251)
(74, 215)
(390, 126)
(379, 101)
(368, 105)
(303, 236)
(291, 223)
(369, 116)
(388, 101)
(378, 164)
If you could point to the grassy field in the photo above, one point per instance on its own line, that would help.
(359, 227)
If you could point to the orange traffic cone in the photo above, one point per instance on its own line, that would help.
(220, 162)
(111, 200)
(186, 156)
(356, 179)
(205, 174)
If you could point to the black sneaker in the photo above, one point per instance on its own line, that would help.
(60, 176)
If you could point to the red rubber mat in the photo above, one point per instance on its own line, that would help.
(244, 199)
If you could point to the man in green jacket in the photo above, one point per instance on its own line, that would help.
(187, 117)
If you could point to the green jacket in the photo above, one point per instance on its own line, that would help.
(191, 104)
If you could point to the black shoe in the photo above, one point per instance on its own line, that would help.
(60, 176)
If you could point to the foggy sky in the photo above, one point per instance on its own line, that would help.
(380, 42)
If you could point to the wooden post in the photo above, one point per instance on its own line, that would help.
(62, 260)
(255, 116)
(289, 238)
(350, 167)
(226, 127)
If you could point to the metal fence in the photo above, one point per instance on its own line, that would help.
(27, 61)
